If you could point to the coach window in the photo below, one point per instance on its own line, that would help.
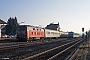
(35, 33)
(41, 33)
(48, 32)
(32, 33)
(52, 32)
(38, 33)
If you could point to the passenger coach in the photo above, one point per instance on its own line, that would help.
(73, 35)
(52, 34)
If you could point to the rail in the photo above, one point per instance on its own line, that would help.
(36, 55)
(63, 51)
(5, 46)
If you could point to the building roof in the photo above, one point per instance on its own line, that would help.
(53, 26)
(2, 22)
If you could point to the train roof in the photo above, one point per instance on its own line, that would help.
(26, 25)
(32, 26)
(63, 31)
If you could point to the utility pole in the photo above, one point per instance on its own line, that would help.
(83, 36)
(83, 49)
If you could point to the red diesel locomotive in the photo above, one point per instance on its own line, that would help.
(26, 32)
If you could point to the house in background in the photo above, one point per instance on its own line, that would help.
(1, 22)
(53, 26)
(3, 29)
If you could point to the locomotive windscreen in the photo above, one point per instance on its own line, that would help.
(22, 28)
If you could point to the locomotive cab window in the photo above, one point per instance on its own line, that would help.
(22, 28)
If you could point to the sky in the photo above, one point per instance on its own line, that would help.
(71, 14)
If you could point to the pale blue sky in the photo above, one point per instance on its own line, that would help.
(72, 14)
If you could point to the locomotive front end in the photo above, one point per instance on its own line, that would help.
(21, 32)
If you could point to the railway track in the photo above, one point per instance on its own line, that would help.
(33, 49)
(68, 52)
(12, 45)
(47, 55)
